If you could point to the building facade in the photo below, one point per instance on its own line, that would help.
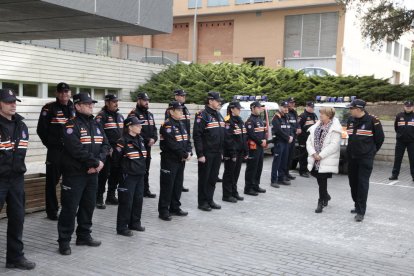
(276, 33)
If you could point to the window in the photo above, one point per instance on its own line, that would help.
(389, 47)
(238, 2)
(407, 54)
(192, 4)
(30, 90)
(311, 35)
(397, 49)
(11, 85)
(98, 94)
(51, 90)
(255, 61)
(217, 3)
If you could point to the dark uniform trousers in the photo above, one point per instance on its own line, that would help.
(291, 153)
(303, 156)
(280, 161)
(171, 185)
(53, 174)
(400, 147)
(207, 177)
(148, 164)
(12, 193)
(231, 175)
(130, 196)
(254, 167)
(110, 173)
(359, 172)
(79, 190)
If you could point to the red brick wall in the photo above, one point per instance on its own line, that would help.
(176, 42)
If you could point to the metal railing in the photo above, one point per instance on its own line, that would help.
(110, 48)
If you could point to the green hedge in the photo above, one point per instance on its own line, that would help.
(230, 80)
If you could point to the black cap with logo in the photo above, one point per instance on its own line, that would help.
(132, 121)
(83, 98)
(111, 97)
(143, 96)
(409, 103)
(284, 103)
(310, 104)
(357, 103)
(235, 105)
(61, 87)
(291, 100)
(256, 104)
(180, 92)
(212, 95)
(175, 105)
(8, 96)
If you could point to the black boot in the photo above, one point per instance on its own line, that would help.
(326, 199)
(319, 207)
(111, 199)
(99, 202)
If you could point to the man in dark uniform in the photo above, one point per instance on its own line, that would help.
(176, 149)
(256, 141)
(14, 138)
(52, 119)
(293, 119)
(112, 123)
(282, 138)
(208, 134)
(307, 119)
(365, 139)
(179, 96)
(85, 151)
(404, 127)
(148, 133)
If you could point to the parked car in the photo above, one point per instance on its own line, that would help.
(318, 71)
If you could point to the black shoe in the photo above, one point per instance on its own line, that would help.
(274, 185)
(319, 207)
(359, 218)
(52, 216)
(229, 199)
(64, 249)
(393, 177)
(88, 242)
(240, 198)
(149, 194)
(126, 233)
(204, 207)
(111, 200)
(283, 182)
(305, 174)
(260, 190)
(291, 177)
(23, 264)
(137, 228)
(165, 217)
(99, 202)
(326, 199)
(353, 211)
(251, 192)
(185, 190)
(214, 205)
(179, 213)
(219, 179)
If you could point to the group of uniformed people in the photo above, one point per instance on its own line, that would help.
(89, 151)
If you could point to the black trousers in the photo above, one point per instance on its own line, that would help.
(400, 147)
(110, 173)
(231, 175)
(291, 154)
(254, 167)
(171, 185)
(148, 164)
(207, 177)
(53, 174)
(130, 193)
(359, 172)
(78, 200)
(12, 193)
(303, 159)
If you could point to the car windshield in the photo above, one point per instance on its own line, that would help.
(341, 113)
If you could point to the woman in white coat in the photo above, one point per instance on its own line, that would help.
(323, 146)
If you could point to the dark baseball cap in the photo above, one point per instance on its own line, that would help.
(143, 96)
(357, 103)
(8, 96)
(132, 121)
(111, 97)
(284, 103)
(291, 100)
(310, 104)
(256, 104)
(62, 86)
(180, 92)
(83, 98)
(235, 105)
(212, 95)
(409, 103)
(175, 105)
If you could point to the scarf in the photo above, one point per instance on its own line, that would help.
(320, 134)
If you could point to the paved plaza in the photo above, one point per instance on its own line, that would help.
(276, 233)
